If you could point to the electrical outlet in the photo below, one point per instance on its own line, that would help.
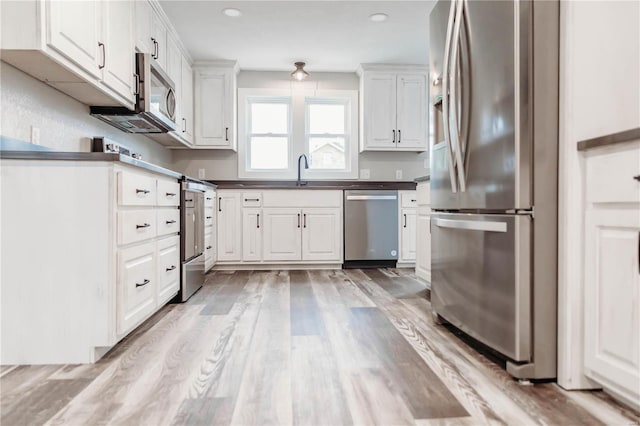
(200, 173)
(398, 174)
(35, 135)
(365, 174)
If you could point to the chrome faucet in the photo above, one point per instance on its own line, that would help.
(306, 166)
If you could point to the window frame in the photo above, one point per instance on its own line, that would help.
(298, 133)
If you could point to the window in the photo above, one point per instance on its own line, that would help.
(275, 127)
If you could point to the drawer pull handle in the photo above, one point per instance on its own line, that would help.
(171, 222)
(142, 191)
(219, 204)
(258, 221)
(209, 198)
(413, 201)
(209, 217)
(146, 225)
(171, 194)
(637, 178)
(405, 220)
(145, 282)
(252, 199)
(173, 267)
(209, 247)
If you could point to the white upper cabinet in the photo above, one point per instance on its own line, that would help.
(117, 38)
(144, 20)
(393, 108)
(215, 106)
(186, 102)
(159, 41)
(74, 31)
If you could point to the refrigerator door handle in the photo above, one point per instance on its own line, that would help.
(455, 140)
(445, 97)
(471, 225)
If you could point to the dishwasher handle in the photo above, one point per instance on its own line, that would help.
(371, 197)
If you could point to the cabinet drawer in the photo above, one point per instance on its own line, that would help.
(610, 176)
(136, 225)
(168, 193)
(135, 189)
(208, 246)
(168, 221)
(210, 198)
(408, 199)
(136, 297)
(252, 199)
(209, 216)
(168, 268)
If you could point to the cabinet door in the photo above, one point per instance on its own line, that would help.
(229, 227)
(282, 234)
(74, 31)
(612, 287)
(174, 71)
(408, 237)
(136, 287)
(186, 109)
(322, 234)
(159, 41)
(252, 235)
(214, 108)
(168, 269)
(379, 94)
(412, 111)
(144, 21)
(117, 36)
(423, 244)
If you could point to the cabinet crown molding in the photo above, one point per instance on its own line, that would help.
(397, 68)
(218, 63)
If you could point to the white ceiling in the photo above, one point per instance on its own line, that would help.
(327, 35)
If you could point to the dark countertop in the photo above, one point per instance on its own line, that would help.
(86, 156)
(424, 178)
(314, 184)
(612, 139)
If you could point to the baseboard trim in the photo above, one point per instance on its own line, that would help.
(276, 266)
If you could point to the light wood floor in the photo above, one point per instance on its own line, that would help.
(299, 347)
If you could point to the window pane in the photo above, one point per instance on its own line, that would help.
(326, 118)
(269, 118)
(269, 153)
(327, 153)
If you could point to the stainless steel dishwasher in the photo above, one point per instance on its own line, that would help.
(370, 228)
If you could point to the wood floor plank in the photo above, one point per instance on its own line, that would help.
(204, 411)
(265, 392)
(305, 315)
(313, 367)
(221, 301)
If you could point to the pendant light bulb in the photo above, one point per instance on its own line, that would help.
(299, 73)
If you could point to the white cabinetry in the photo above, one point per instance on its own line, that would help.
(612, 270)
(423, 231)
(215, 105)
(229, 226)
(393, 108)
(105, 256)
(281, 227)
(159, 41)
(83, 48)
(407, 228)
(186, 102)
(144, 20)
(209, 229)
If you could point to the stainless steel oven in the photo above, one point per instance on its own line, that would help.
(192, 238)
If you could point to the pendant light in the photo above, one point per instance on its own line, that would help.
(299, 74)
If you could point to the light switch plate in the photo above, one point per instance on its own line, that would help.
(200, 173)
(398, 174)
(365, 174)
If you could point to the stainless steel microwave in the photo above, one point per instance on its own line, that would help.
(155, 109)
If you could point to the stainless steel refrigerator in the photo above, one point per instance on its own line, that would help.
(494, 151)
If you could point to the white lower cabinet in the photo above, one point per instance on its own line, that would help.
(252, 235)
(280, 226)
(423, 231)
(229, 227)
(612, 270)
(282, 234)
(168, 269)
(321, 234)
(408, 235)
(209, 229)
(136, 285)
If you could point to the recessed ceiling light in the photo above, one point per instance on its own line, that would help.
(379, 17)
(234, 13)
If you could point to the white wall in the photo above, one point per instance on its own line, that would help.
(64, 123)
(599, 95)
(223, 165)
